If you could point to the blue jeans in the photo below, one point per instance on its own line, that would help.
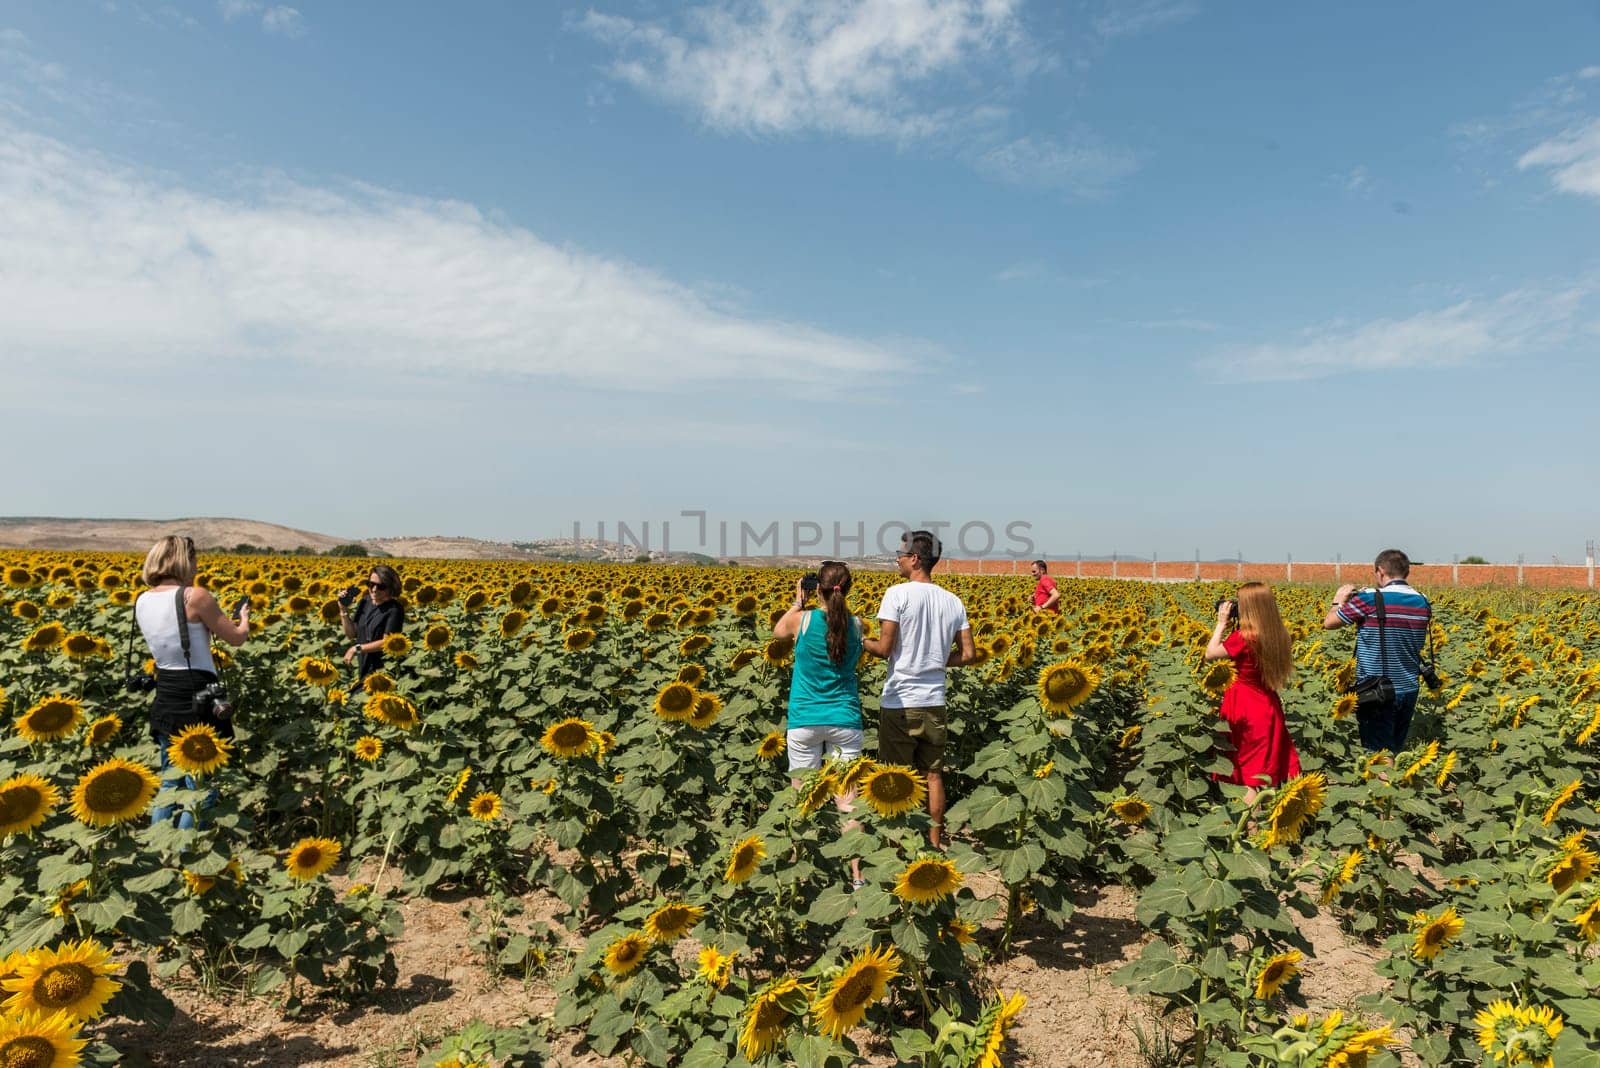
(1386, 728)
(172, 777)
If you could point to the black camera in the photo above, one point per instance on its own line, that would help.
(808, 582)
(238, 605)
(1431, 677)
(350, 594)
(138, 682)
(1233, 607)
(212, 700)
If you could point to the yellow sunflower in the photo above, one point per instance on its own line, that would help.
(378, 682)
(25, 801)
(671, 922)
(747, 855)
(675, 702)
(855, 772)
(459, 786)
(102, 730)
(368, 748)
(62, 907)
(1354, 1051)
(31, 1040)
(1278, 970)
(310, 857)
(716, 966)
(1342, 875)
(742, 659)
(927, 879)
(198, 750)
(466, 661)
(819, 786)
(1573, 866)
(1567, 793)
(707, 707)
(1298, 800)
(1588, 921)
(575, 641)
(51, 718)
(79, 645)
(1521, 1034)
(396, 644)
(315, 671)
(1130, 736)
(1429, 754)
(1446, 766)
(513, 621)
(1345, 705)
(893, 790)
(112, 792)
(768, 1015)
(1217, 678)
(625, 954)
(693, 674)
(777, 651)
(44, 638)
(437, 637)
(1066, 685)
(74, 978)
(571, 738)
(694, 643)
(393, 709)
(863, 981)
(485, 806)
(1131, 810)
(771, 746)
(1435, 932)
(993, 1026)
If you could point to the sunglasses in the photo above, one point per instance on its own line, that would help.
(374, 585)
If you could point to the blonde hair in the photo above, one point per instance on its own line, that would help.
(1263, 628)
(170, 559)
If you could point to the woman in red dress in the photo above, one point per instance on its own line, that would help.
(1263, 656)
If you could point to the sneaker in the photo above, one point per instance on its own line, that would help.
(857, 884)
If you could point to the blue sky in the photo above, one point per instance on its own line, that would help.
(1151, 276)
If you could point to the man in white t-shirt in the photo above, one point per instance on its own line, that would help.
(919, 623)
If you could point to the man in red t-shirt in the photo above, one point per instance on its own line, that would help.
(1046, 597)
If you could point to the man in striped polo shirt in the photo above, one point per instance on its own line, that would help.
(1407, 616)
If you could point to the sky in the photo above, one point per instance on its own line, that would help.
(1155, 277)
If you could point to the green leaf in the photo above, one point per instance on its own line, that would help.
(188, 917)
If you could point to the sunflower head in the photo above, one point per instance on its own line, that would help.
(692, 674)
(378, 682)
(742, 659)
(102, 730)
(1131, 810)
(50, 718)
(777, 651)
(512, 622)
(926, 880)
(310, 857)
(863, 981)
(624, 955)
(485, 806)
(112, 792)
(570, 738)
(1573, 866)
(1217, 678)
(74, 978)
(693, 644)
(1298, 800)
(198, 750)
(768, 1015)
(1066, 685)
(675, 702)
(396, 645)
(1277, 971)
(745, 858)
(393, 709)
(707, 707)
(670, 922)
(44, 638)
(771, 746)
(25, 801)
(892, 790)
(716, 966)
(437, 637)
(1435, 932)
(820, 785)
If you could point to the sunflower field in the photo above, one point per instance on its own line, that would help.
(612, 736)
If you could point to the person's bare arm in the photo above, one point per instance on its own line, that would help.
(965, 652)
(1050, 602)
(204, 608)
(788, 625)
(1333, 620)
(1215, 650)
(883, 644)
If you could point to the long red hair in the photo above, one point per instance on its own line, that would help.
(1263, 628)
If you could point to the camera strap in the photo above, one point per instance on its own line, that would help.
(133, 628)
(1383, 653)
(183, 626)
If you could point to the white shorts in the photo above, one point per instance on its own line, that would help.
(809, 745)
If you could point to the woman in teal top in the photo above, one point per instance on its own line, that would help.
(824, 694)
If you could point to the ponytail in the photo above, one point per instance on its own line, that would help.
(833, 585)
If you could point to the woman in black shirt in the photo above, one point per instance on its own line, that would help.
(377, 614)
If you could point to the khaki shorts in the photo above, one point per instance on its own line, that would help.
(914, 737)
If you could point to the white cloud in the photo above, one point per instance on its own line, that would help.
(864, 68)
(1520, 322)
(1129, 18)
(1082, 166)
(1575, 157)
(237, 9)
(101, 263)
(284, 21)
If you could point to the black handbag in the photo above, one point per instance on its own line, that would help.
(1375, 692)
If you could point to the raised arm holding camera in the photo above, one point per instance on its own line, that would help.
(1263, 657)
(177, 620)
(377, 614)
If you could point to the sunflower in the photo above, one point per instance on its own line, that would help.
(512, 622)
(1567, 793)
(694, 643)
(993, 1025)
(79, 645)
(62, 908)
(310, 857)
(1066, 685)
(315, 671)
(25, 801)
(854, 772)
(393, 709)
(50, 718)
(1218, 677)
(437, 636)
(821, 785)
(396, 644)
(1435, 932)
(961, 931)
(74, 979)
(1298, 800)
(693, 674)
(656, 621)
(1353, 1052)
(459, 787)
(1588, 921)
(1130, 736)
(1342, 875)
(743, 659)
(1591, 729)
(1446, 766)
(485, 806)
(378, 682)
(466, 661)
(32, 1040)
(625, 954)
(675, 702)
(113, 791)
(26, 610)
(571, 738)
(198, 750)
(707, 707)
(777, 651)
(1131, 810)
(102, 730)
(1277, 971)
(893, 790)
(199, 885)
(1573, 866)
(368, 748)
(747, 855)
(863, 981)
(716, 966)
(1345, 705)
(768, 1014)
(1521, 1034)
(1430, 753)
(671, 922)
(44, 638)
(772, 745)
(927, 879)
